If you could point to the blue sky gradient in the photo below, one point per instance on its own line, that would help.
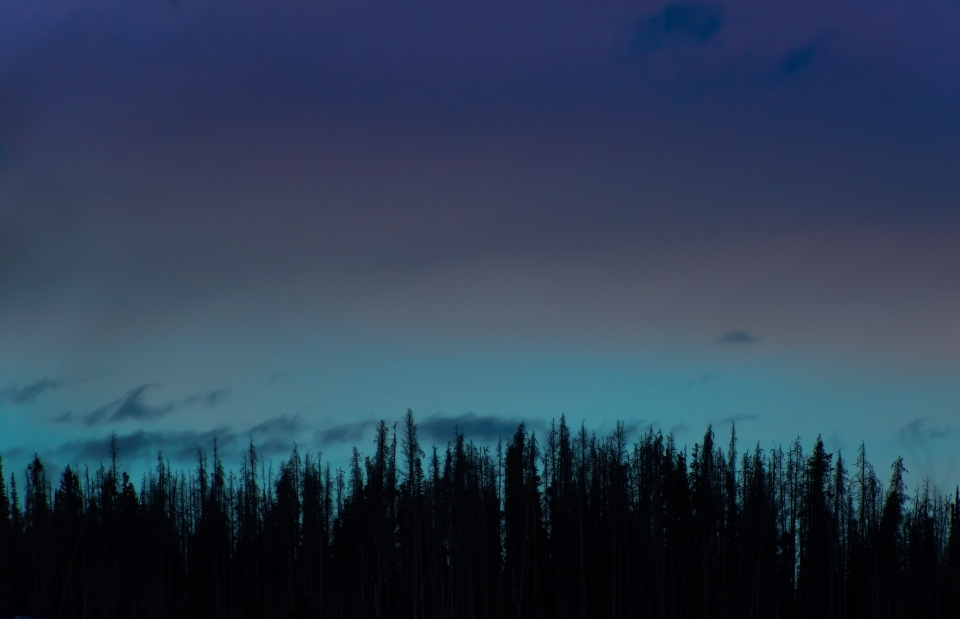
(287, 221)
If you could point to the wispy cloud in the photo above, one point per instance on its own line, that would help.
(142, 444)
(28, 393)
(687, 22)
(211, 398)
(737, 419)
(438, 427)
(441, 427)
(722, 423)
(132, 406)
(917, 437)
(15, 452)
(920, 430)
(345, 432)
(798, 58)
(284, 424)
(183, 445)
(637, 426)
(738, 336)
(276, 446)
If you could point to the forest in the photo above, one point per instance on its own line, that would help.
(568, 525)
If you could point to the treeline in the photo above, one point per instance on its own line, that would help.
(572, 526)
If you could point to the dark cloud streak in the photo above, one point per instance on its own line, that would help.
(680, 22)
(738, 337)
(143, 444)
(919, 431)
(486, 428)
(284, 424)
(133, 407)
(734, 419)
(438, 428)
(345, 432)
(28, 393)
(278, 435)
(800, 58)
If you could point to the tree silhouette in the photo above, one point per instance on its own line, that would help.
(575, 526)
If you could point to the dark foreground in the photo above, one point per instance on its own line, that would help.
(570, 526)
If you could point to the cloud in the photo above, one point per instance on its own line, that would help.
(835, 439)
(679, 22)
(636, 426)
(130, 406)
(919, 431)
(145, 444)
(438, 427)
(28, 393)
(799, 58)
(133, 407)
(15, 452)
(916, 438)
(345, 433)
(441, 427)
(738, 336)
(182, 445)
(738, 419)
(732, 420)
(286, 425)
(275, 446)
(213, 398)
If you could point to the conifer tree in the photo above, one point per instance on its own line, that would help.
(574, 527)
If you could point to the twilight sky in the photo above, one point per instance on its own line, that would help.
(286, 220)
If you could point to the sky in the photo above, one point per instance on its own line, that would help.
(285, 221)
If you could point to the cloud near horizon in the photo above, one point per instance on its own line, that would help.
(439, 428)
(734, 419)
(133, 407)
(486, 428)
(142, 444)
(274, 436)
(921, 430)
(345, 432)
(28, 393)
(283, 425)
(738, 336)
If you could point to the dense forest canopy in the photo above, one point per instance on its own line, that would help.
(568, 525)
